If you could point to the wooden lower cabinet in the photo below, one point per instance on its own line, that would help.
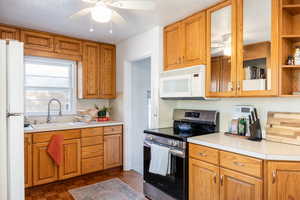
(71, 165)
(84, 151)
(203, 181)
(237, 186)
(113, 151)
(92, 164)
(28, 160)
(283, 180)
(44, 168)
(213, 181)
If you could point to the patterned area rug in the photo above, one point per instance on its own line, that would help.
(113, 189)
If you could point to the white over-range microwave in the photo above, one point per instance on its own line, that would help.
(186, 83)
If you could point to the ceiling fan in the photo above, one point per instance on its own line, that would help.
(103, 11)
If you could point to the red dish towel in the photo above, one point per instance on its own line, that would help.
(55, 149)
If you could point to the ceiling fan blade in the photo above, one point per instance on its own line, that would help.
(133, 5)
(90, 1)
(81, 13)
(117, 18)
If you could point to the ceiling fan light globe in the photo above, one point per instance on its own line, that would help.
(101, 13)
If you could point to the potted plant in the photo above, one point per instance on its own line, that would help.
(102, 113)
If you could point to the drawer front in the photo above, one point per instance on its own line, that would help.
(46, 136)
(91, 165)
(89, 141)
(244, 164)
(38, 41)
(109, 130)
(204, 153)
(90, 132)
(92, 151)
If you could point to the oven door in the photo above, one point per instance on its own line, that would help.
(174, 184)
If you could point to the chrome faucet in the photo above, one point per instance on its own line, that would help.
(49, 104)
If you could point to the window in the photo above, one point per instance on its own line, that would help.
(46, 79)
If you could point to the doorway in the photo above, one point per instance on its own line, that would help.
(141, 108)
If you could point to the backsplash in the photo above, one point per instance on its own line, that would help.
(225, 107)
(82, 104)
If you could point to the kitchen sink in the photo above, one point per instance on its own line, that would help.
(61, 125)
(50, 125)
(77, 123)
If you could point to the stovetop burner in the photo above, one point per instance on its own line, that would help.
(188, 123)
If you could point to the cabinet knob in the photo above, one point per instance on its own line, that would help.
(230, 86)
(238, 85)
(215, 178)
(273, 176)
(202, 154)
(221, 180)
(239, 164)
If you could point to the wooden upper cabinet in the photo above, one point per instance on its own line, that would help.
(203, 181)
(37, 40)
(242, 56)
(113, 153)
(71, 165)
(44, 168)
(107, 71)
(221, 50)
(172, 46)
(9, 33)
(257, 48)
(283, 181)
(236, 186)
(67, 46)
(28, 160)
(185, 42)
(91, 69)
(194, 39)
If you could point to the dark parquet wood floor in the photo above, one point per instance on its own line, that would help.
(59, 190)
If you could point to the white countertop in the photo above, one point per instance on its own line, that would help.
(266, 150)
(68, 126)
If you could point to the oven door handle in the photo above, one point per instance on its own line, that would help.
(173, 151)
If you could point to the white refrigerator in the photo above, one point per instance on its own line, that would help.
(11, 120)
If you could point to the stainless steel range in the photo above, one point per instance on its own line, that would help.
(187, 123)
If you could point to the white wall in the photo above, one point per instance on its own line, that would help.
(225, 107)
(141, 83)
(135, 48)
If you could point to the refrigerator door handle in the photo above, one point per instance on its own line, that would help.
(14, 114)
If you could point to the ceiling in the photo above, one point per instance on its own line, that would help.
(53, 16)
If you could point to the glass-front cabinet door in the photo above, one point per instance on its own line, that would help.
(256, 49)
(221, 59)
